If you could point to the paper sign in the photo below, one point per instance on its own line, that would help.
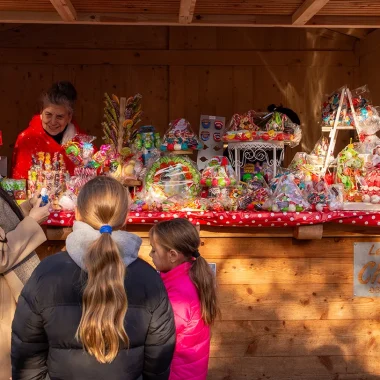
(210, 133)
(367, 269)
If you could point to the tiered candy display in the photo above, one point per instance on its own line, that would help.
(180, 137)
(50, 173)
(360, 101)
(253, 126)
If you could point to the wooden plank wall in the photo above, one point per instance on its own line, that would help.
(368, 52)
(181, 72)
(288, 310)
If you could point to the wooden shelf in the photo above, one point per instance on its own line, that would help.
(132, 182)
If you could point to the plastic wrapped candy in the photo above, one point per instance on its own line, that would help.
(179, 137)
(350, 166)
(50, 173)
(254, 126)
(370, 186)
(218, 173)
(361, 100)
(300, 159)
(80, 149)
(146, 141)
(81, 177)
(257, 194)
(317, 195)
(173, 175)
(330, 108)
(319, 152)
(335, 197)
(287, 197)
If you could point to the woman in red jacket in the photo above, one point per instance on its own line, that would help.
(48, 131)
(190, 284)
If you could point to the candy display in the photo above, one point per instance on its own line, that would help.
(287, 197)
(360, 100)
(319, 152)
(81, 177)
(50, 173)
(80, 150)
(180, 137)
(173, 175)
(317, 195)
(218, 173)
(16, 188)
(350, 167)
(257, 194)
(146, 141)
(335, 197)
(118, 128)
(253, 126)
(165, 180)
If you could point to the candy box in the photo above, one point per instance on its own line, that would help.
(16, 188)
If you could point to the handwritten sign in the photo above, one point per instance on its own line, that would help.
(367, 269)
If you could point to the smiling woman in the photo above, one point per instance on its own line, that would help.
(49, 130)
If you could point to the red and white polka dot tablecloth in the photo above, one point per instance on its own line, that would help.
(239, 219)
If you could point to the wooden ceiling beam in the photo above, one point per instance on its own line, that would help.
(307, 11)
(186, 11)
(353, 32)
(65, 9)
(329, 22)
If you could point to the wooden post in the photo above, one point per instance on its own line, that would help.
(123, 102)
(313, 232)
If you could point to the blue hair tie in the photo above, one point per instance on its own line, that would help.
(106, 229)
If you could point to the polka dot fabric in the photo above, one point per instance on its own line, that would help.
(240, 219)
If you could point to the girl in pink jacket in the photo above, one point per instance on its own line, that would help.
(190, 284)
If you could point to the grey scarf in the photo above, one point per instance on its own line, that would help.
(84, 235)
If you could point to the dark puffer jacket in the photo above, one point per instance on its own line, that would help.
(49, 312)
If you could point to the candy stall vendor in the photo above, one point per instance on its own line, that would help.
(48, 131)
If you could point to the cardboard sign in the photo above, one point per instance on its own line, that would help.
(210, 133)
(367, 269)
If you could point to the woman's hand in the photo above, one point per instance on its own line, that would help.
(40, 214)
(33, 201)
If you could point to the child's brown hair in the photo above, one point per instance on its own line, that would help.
(179, 234)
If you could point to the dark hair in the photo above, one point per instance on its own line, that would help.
(286, 111)
(61, 93)
(179, 234)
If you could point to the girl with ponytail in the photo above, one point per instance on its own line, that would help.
(191, 288)
(95, 311)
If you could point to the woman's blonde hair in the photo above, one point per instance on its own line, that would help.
(179, 234)
(103, 201)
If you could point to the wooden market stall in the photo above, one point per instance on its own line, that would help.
(286, 291)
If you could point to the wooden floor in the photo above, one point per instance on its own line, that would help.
(288, 310)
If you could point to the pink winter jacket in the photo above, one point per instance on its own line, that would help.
(192, 349)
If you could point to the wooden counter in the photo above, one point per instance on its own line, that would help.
(288, 310)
